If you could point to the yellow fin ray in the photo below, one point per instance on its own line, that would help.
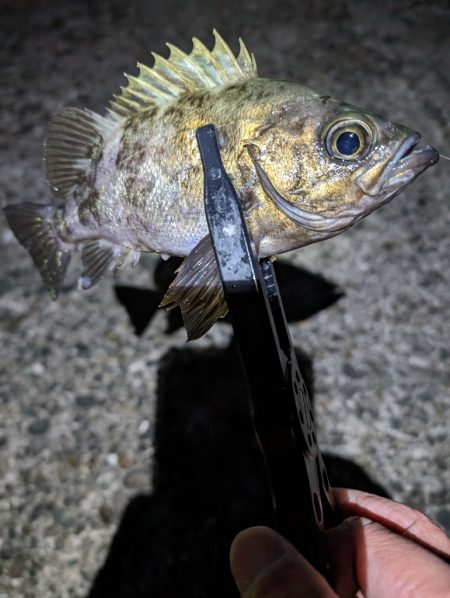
(75, 141)
(181, 74)
(209, 65)
(224, 56)
(171, 72)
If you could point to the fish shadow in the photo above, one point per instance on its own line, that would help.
(304, 294)
(209, 481)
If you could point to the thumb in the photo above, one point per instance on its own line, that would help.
(265, 565)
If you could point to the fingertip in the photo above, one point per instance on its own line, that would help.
(253, 551)
(264, 563)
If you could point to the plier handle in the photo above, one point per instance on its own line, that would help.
(280, 405)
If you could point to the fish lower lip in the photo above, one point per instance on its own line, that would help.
(425, 156)
(409, 167)
(401, 159)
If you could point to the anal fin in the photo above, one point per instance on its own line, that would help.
(198, 290)
(99, 256)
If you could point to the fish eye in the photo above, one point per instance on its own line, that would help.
(348, 140)
(348, 143)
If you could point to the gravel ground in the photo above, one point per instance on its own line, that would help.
(78, 388)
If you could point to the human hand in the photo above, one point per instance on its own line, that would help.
(383, 550)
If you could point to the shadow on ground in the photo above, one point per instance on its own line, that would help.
(209, 478)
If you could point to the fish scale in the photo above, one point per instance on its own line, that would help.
(305, 166)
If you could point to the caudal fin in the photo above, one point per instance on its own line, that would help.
(34, 227)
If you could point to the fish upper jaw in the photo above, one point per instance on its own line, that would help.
(402, 169)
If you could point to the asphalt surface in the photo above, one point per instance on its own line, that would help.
(78, 389)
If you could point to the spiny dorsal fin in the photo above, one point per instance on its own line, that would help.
(75, 141)
(183, 74)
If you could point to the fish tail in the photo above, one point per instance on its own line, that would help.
(34, 225)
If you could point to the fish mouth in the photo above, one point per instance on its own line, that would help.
(406, 164)
(309, 220)
(408, 167)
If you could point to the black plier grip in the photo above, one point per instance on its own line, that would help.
(281, 408)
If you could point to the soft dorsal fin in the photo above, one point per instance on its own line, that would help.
(182, 74)
(74, 142)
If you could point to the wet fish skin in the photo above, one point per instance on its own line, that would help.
(133, 182)
(156, 176)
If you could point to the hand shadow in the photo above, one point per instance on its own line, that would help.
(209, 482)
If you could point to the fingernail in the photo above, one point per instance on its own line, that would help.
(253, 551)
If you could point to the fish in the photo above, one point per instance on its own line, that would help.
(305, 166)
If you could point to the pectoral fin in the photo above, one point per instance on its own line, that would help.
(198, 290)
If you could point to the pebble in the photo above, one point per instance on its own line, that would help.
(17, 566)
(123, 461)
(36, 369)
(144, 426)
(350, 371)
(112, 459)
(6, 552)
(137, 479)
(39, 426)
(62, 517)
(85, 400)
(106, 514)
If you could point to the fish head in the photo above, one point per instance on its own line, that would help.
(325, 164)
